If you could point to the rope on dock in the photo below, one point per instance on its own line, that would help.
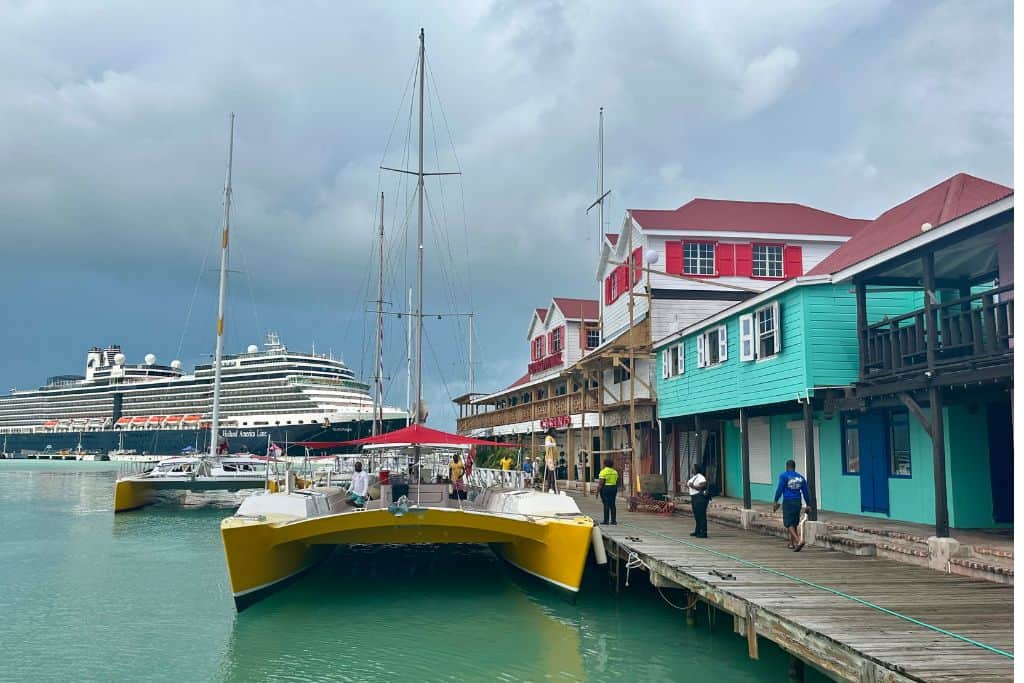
(827, 589)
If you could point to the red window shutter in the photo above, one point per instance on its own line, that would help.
(674, 257)
(608, 290)
(792, 261)
(744, 260)
(622, 273)
(638, 273)
(551, 342)
(725, 263)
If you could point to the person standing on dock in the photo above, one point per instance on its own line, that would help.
(697, 486)
(792, 487)
(608, 489)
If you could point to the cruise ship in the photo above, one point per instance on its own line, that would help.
(271, 395)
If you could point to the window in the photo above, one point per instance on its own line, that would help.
(851, 445)
(593, 337)
(899, 445)
(620, 373)
(767, 260)
(768, 333)
(526, 397)
(615, 285)
(538, 348)
(542, 394)
(673, 361)
(699, 258)
(712, 347)
(560, 390)
(556, 340)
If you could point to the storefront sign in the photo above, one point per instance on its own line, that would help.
(555, 422)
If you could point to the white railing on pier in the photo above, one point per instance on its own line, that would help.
(484, 478)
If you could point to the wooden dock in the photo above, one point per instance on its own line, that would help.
(838, 635)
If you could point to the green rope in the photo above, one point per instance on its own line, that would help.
(833, 591)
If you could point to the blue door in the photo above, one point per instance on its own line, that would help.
(874, 462)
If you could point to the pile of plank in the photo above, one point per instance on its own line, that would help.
(645, 502)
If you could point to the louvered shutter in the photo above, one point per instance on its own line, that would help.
(744, 260)
(622, 277)
(702, 354)
(638, 272)
(776, 313)
(723, 345)
(666, 363)
(681, 359)
(793, 261)
(608, 290)
(674, 257)
(747, 337)
(725, 263)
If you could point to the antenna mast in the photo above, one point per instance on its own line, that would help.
(378, 409)
(219, 348)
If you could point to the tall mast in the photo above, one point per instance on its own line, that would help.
(600, 182)
(219, 349)
(418, 414)
(408, 359)
(471, 353)
(378, 409)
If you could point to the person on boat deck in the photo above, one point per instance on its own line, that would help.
(792, 486)
(455, 470)
(528, 472)
(360, 488)
(608, 489)
(697, 487)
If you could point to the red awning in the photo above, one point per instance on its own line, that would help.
(413, 435)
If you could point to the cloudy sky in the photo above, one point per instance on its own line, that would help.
(113, 132)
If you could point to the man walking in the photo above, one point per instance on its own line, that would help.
(792, 486)
(608, 489)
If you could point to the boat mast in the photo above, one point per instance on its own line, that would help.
(219, 349)
(418, 414)
(408, 360)
(378, 407)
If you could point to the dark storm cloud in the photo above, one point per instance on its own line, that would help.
(115, 121)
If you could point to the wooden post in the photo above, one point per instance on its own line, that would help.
(862, 328)
(745, 457)
(811, 472)
(570, 454)
(932, 330)
(939, 458)
(752, 632)
(673, 460)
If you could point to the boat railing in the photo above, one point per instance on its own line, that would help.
(484, 478)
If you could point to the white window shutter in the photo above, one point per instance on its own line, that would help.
(681, 360)
(666, 363)
(778, 326)
(723, 345)
(746, 337)
(702, 354)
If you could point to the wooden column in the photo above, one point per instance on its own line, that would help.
(745, 457)
(811, 471)
(931, 328)
(570, 454)
(673, 456)
(939, 459)
(862, 328)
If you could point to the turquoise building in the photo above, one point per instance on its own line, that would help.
(850, 363)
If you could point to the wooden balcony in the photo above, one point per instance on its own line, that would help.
(569, 404)
(973, 332)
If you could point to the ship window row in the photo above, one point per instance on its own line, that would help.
(166, 386)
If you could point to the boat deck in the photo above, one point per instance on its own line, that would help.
(812, 603)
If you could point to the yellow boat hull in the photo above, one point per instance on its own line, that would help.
(262, 553)
(131, 494)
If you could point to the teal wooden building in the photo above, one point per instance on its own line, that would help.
(848, 364)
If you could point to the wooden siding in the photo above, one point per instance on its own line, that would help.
(734, 383)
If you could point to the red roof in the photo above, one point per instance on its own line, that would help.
(612, 237)
(571, 308)
(950, 199)
(542, 313)
(727, 215)
(519, 382)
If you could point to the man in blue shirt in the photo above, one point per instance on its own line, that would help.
(792, 485)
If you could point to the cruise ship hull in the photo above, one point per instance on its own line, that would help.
(173, 441)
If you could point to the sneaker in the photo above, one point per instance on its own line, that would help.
(798, 548)
(615, 523)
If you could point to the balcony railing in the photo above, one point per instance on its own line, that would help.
(972, 329)
(568, 404)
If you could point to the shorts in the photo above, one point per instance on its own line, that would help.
(790, 512)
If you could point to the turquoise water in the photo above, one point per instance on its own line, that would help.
(87, 596)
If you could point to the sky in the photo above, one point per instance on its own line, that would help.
(114, 136)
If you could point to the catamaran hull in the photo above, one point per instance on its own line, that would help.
(264, 553)
(133, 493)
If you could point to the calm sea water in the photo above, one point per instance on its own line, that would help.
(87, 596)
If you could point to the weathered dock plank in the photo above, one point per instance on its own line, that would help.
(845, 638)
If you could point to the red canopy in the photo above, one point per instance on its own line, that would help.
(413, 435)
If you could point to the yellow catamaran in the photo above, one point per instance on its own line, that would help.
(277, 535)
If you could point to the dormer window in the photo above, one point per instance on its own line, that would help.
(698, 258)
(767, 260)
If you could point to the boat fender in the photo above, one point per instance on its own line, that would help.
(597, 544)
